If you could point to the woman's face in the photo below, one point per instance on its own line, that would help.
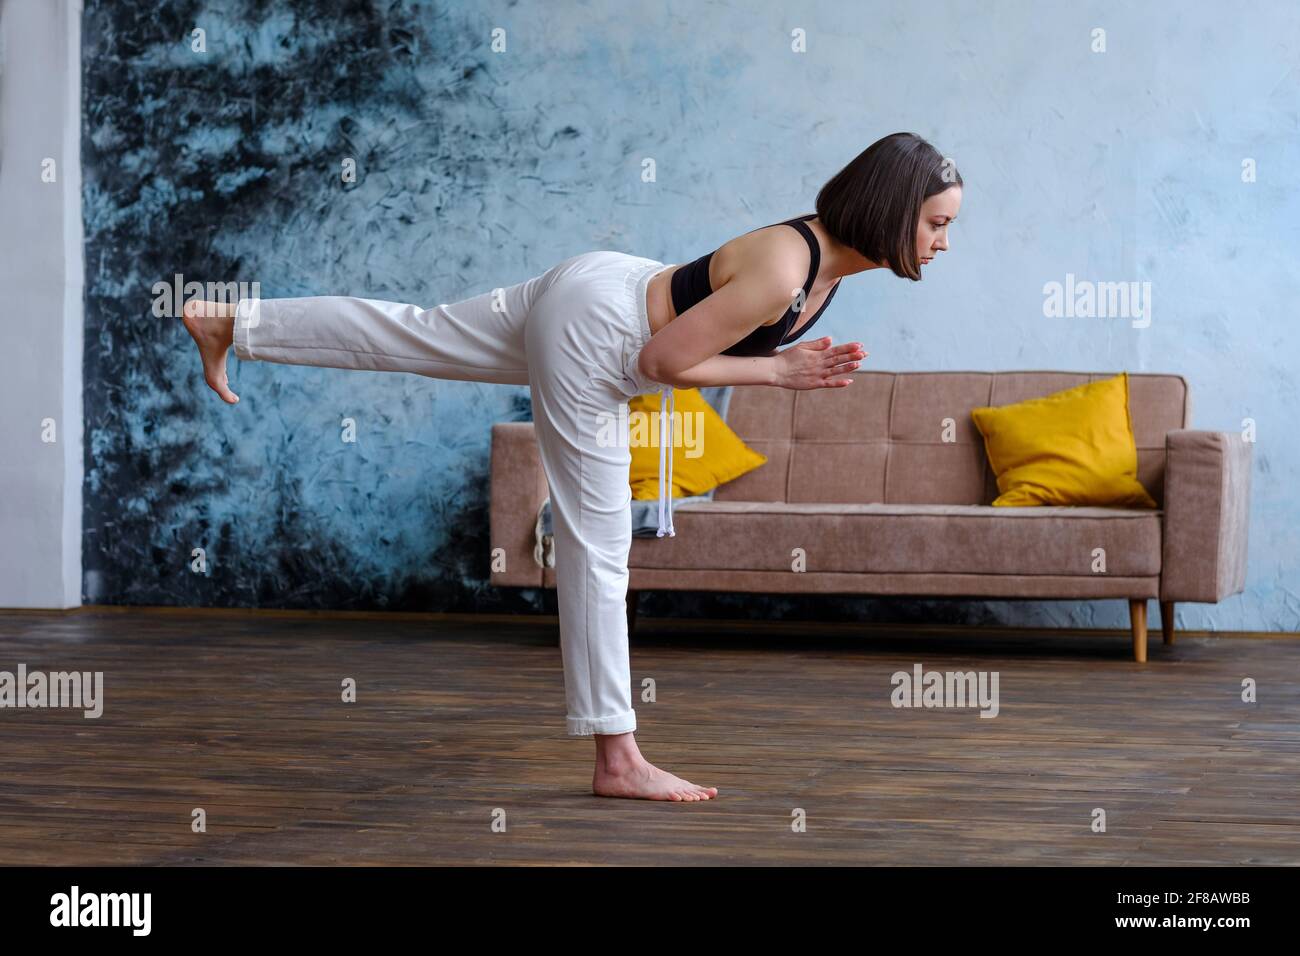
(932, 231)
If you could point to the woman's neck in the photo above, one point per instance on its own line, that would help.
(842, 260)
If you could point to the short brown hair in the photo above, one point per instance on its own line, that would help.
(873, 204)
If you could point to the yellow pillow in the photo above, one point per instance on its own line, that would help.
(706, 453)
(1073, 447)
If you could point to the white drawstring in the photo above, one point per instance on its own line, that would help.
(666, 451)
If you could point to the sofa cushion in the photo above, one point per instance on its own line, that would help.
(908, 436)
(907, 538)
(1073, 447)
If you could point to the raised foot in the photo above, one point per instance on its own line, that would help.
(212, 326)
(644, 781)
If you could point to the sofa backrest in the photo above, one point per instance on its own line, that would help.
(881, 439)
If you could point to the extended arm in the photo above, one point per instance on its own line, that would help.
(724, 370)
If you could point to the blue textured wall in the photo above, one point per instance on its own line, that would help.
(477, 169)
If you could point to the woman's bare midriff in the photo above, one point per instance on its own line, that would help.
(658, 299)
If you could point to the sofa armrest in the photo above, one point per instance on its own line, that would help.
(1206, 515)
(518, 489)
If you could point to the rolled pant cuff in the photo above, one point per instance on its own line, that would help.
(248, 313)
(616, 724)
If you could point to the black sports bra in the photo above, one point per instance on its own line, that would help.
(690, 284)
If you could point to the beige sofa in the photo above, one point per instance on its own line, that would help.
(862, 494)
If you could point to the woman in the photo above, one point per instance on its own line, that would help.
(597, 329)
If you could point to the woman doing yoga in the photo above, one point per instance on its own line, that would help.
(597, 329)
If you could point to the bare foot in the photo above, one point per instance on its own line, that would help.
(212, 324)
(647, 782)
(621, 771)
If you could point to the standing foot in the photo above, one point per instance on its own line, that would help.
(621, 771)
(212, 325)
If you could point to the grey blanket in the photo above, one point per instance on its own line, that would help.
(645, 514)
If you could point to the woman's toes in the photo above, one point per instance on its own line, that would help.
(222, 388)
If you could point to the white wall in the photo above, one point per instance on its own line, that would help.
(41, 276)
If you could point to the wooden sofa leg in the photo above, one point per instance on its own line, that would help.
(1167, 620)
(1137, 615)
(631, 610)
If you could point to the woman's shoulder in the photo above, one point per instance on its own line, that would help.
(776, 252)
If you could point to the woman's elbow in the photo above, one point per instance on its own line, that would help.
(651, 371)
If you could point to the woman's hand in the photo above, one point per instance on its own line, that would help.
(816, 364)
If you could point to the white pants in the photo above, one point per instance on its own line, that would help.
(573, 335)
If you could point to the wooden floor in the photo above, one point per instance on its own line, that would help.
(458, 718)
